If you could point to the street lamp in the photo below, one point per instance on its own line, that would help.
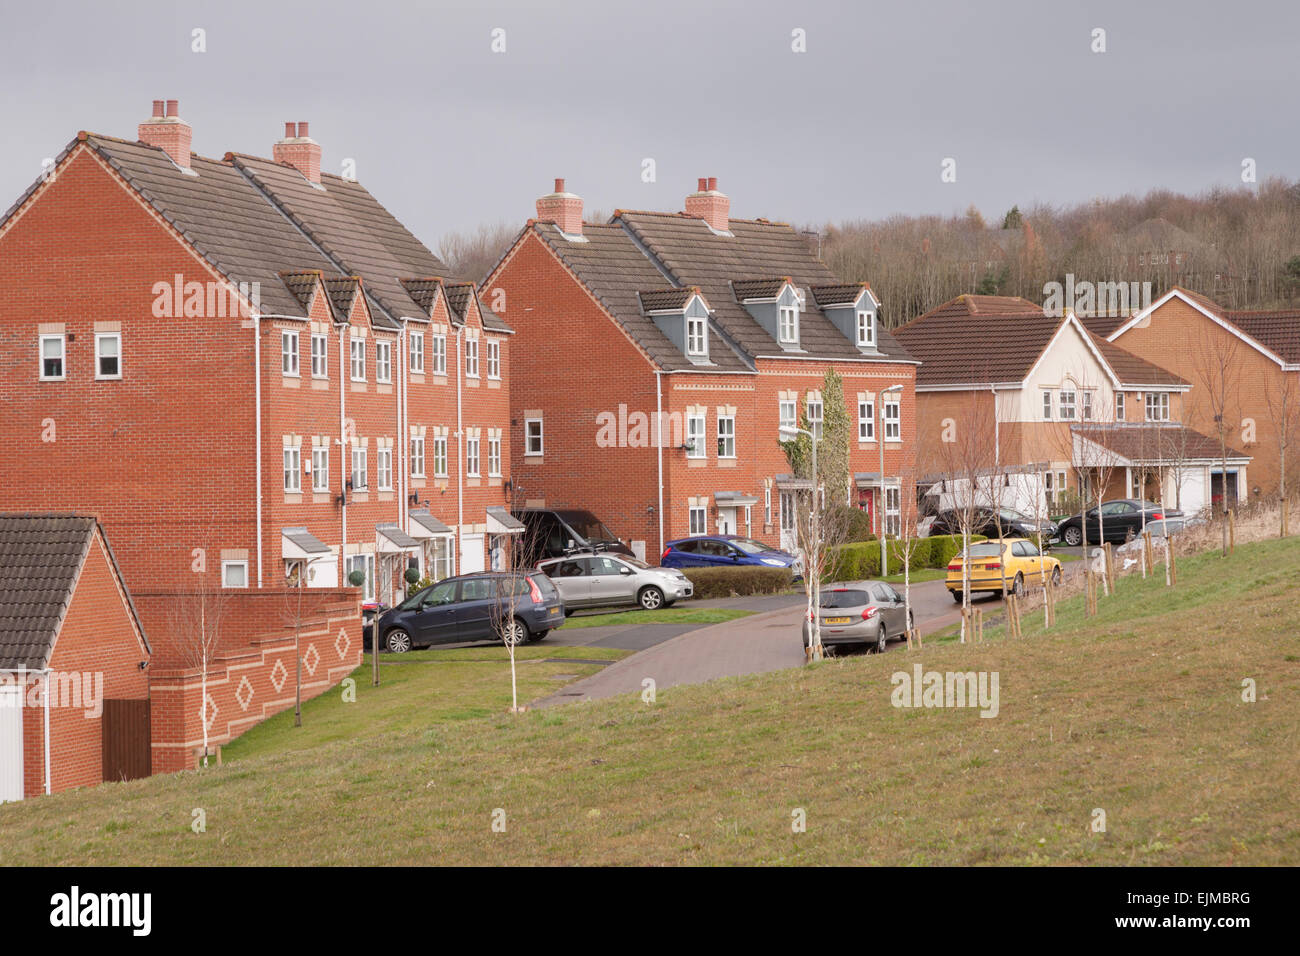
(790, 432)
(884, 560)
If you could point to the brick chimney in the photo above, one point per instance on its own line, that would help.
(710, 205)
(562, 208)
(299, 150)
(166, 130)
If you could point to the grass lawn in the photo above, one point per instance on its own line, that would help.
(665, 615)
(1137, 712)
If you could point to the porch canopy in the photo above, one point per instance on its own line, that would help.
(299, 544)
(733, 499)
(391, 539)
(1152, 444)
(423, 526)
(500, 521)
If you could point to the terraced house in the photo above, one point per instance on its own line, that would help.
(658, 354)
(252, 374)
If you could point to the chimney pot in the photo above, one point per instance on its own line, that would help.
(167, 131)
(563, 210)
(304, 157)
(710, 205)
(290, 130)
(703, 185)
(559, 185)
(173, 108)
(713, 183)
(302, 129)
(158, 107)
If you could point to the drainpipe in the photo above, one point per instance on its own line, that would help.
(47, 732)
(257, 405)
(659, 450)
(460, 449)
(344, 452)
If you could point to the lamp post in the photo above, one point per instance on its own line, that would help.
(884, 560)
(791, 432)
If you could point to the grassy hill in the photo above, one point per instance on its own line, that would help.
(1137, 712)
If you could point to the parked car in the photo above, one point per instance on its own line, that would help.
(860, 612)
(988, 521)
(1013, 560)
(725, 551)
(608, 580)
(1117, 520)
(511, 607)
(555, 532)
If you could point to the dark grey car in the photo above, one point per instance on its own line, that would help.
(860, 612)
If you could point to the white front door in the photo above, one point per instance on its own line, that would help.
(11, 743)
(788, 537)
(471, 553)
(727, 521)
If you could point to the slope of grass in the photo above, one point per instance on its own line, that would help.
(1137, 712)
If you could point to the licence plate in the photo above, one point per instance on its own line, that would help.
(554, 611)
(836, 620)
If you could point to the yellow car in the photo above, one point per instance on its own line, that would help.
(1017, 561)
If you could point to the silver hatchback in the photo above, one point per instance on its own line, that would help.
(860, 612)
(607, 580)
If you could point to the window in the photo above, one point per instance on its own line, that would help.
(360, 480)
(439, 344)
(698, 516)
(893, 522)
(52, 355)
(440, 456)
(1067, 404)
(493, 358)
(695, 437)
(234, 574)
(358, 353)
(866, 330)
(893, 420)
(292, 469)
(471, 456)
(1047, 405)
(788, 412)
(767, 505)
(866, 420)
(383, 361)
(532, 436)
(320, 366)
(696, 340)
(1157, 406)
(417, 353)
(108, 355)
(1087, 406)
(1047, 488)
(289, 353)
(789, 324)
(365, 563)
(440, 557)
(417, 457)
(320, 468)
(384, 467)
(494, 456)
(1119, 406)
(815, 417)
(726, 436)
(471, 358)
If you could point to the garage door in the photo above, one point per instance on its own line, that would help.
(11, 743)
(471, 553)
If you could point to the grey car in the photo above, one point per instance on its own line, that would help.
(860, 612)
(608, 580)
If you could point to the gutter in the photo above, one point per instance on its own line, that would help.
(48, 778)
(344, 452)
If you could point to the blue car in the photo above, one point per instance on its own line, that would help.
(725, 551)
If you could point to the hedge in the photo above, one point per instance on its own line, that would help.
(861, 560)
(945, 547)
(739, 582)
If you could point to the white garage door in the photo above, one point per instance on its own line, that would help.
(11, 743)
(1193, 497)
(471, 553)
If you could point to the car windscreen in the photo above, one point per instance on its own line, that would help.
(1008, 515)
(749, 545)
(414, 601)
(991, 550)
(844, 597)
(587, 525)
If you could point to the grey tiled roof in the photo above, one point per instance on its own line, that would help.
(757, 288)
(40, 558)
(652, 300)
(429, 522)
(305, 540)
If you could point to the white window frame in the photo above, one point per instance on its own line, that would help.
(1067, 401)
(893, 510)
(417, 353)
(320, 354)
(292, 469)
(493, 359)
(417, 456)
(692, 513)
(1160, 406)
(1119, 407)
(471, 358)
(360, 468)
(893, 410)
(494, 456)
(439, 345)
(290, 346)
(101, 337)
(383, 361)
(697, 335)
(697, 437)
(529, 448)
(787, 414)
(384, 467)
(727, 436)
(440, 456)
(1085, 406)
(1047, 405)
(788, 324)
(767, 505)
(866, 419)
(63, 357)
(357, 358)
(472, 457)
(367, 567)
(226, 565)
(320, 468)
(815, 421)
(867, 325)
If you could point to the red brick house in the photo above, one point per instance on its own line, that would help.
(657, 355)
(256, 378)
(74, 683)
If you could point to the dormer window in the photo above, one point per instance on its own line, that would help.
(697, 336)
(866, 329)
(789, 325)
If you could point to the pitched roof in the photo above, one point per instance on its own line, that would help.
(978, 340)
(1156, 442)
(653, 300)
(41, 556)
(1278, 331)
(1130, 369)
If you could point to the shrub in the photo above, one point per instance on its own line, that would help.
(857, 522)
(944, 547)
(854, 562)
(921, 550)
(739, 582)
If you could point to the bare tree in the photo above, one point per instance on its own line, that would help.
(1217, 380)
(196, 618)
(1284, 416)
(471, 255)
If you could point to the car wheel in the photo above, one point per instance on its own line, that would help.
(882, 639)
(1018, 586)
(515, 633)
(1056, 576)
(397, 641)
(650, 598)
(956, 596)
(1073, 537)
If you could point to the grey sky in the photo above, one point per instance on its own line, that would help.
(449, 134)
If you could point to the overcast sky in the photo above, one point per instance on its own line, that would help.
(449, 134)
